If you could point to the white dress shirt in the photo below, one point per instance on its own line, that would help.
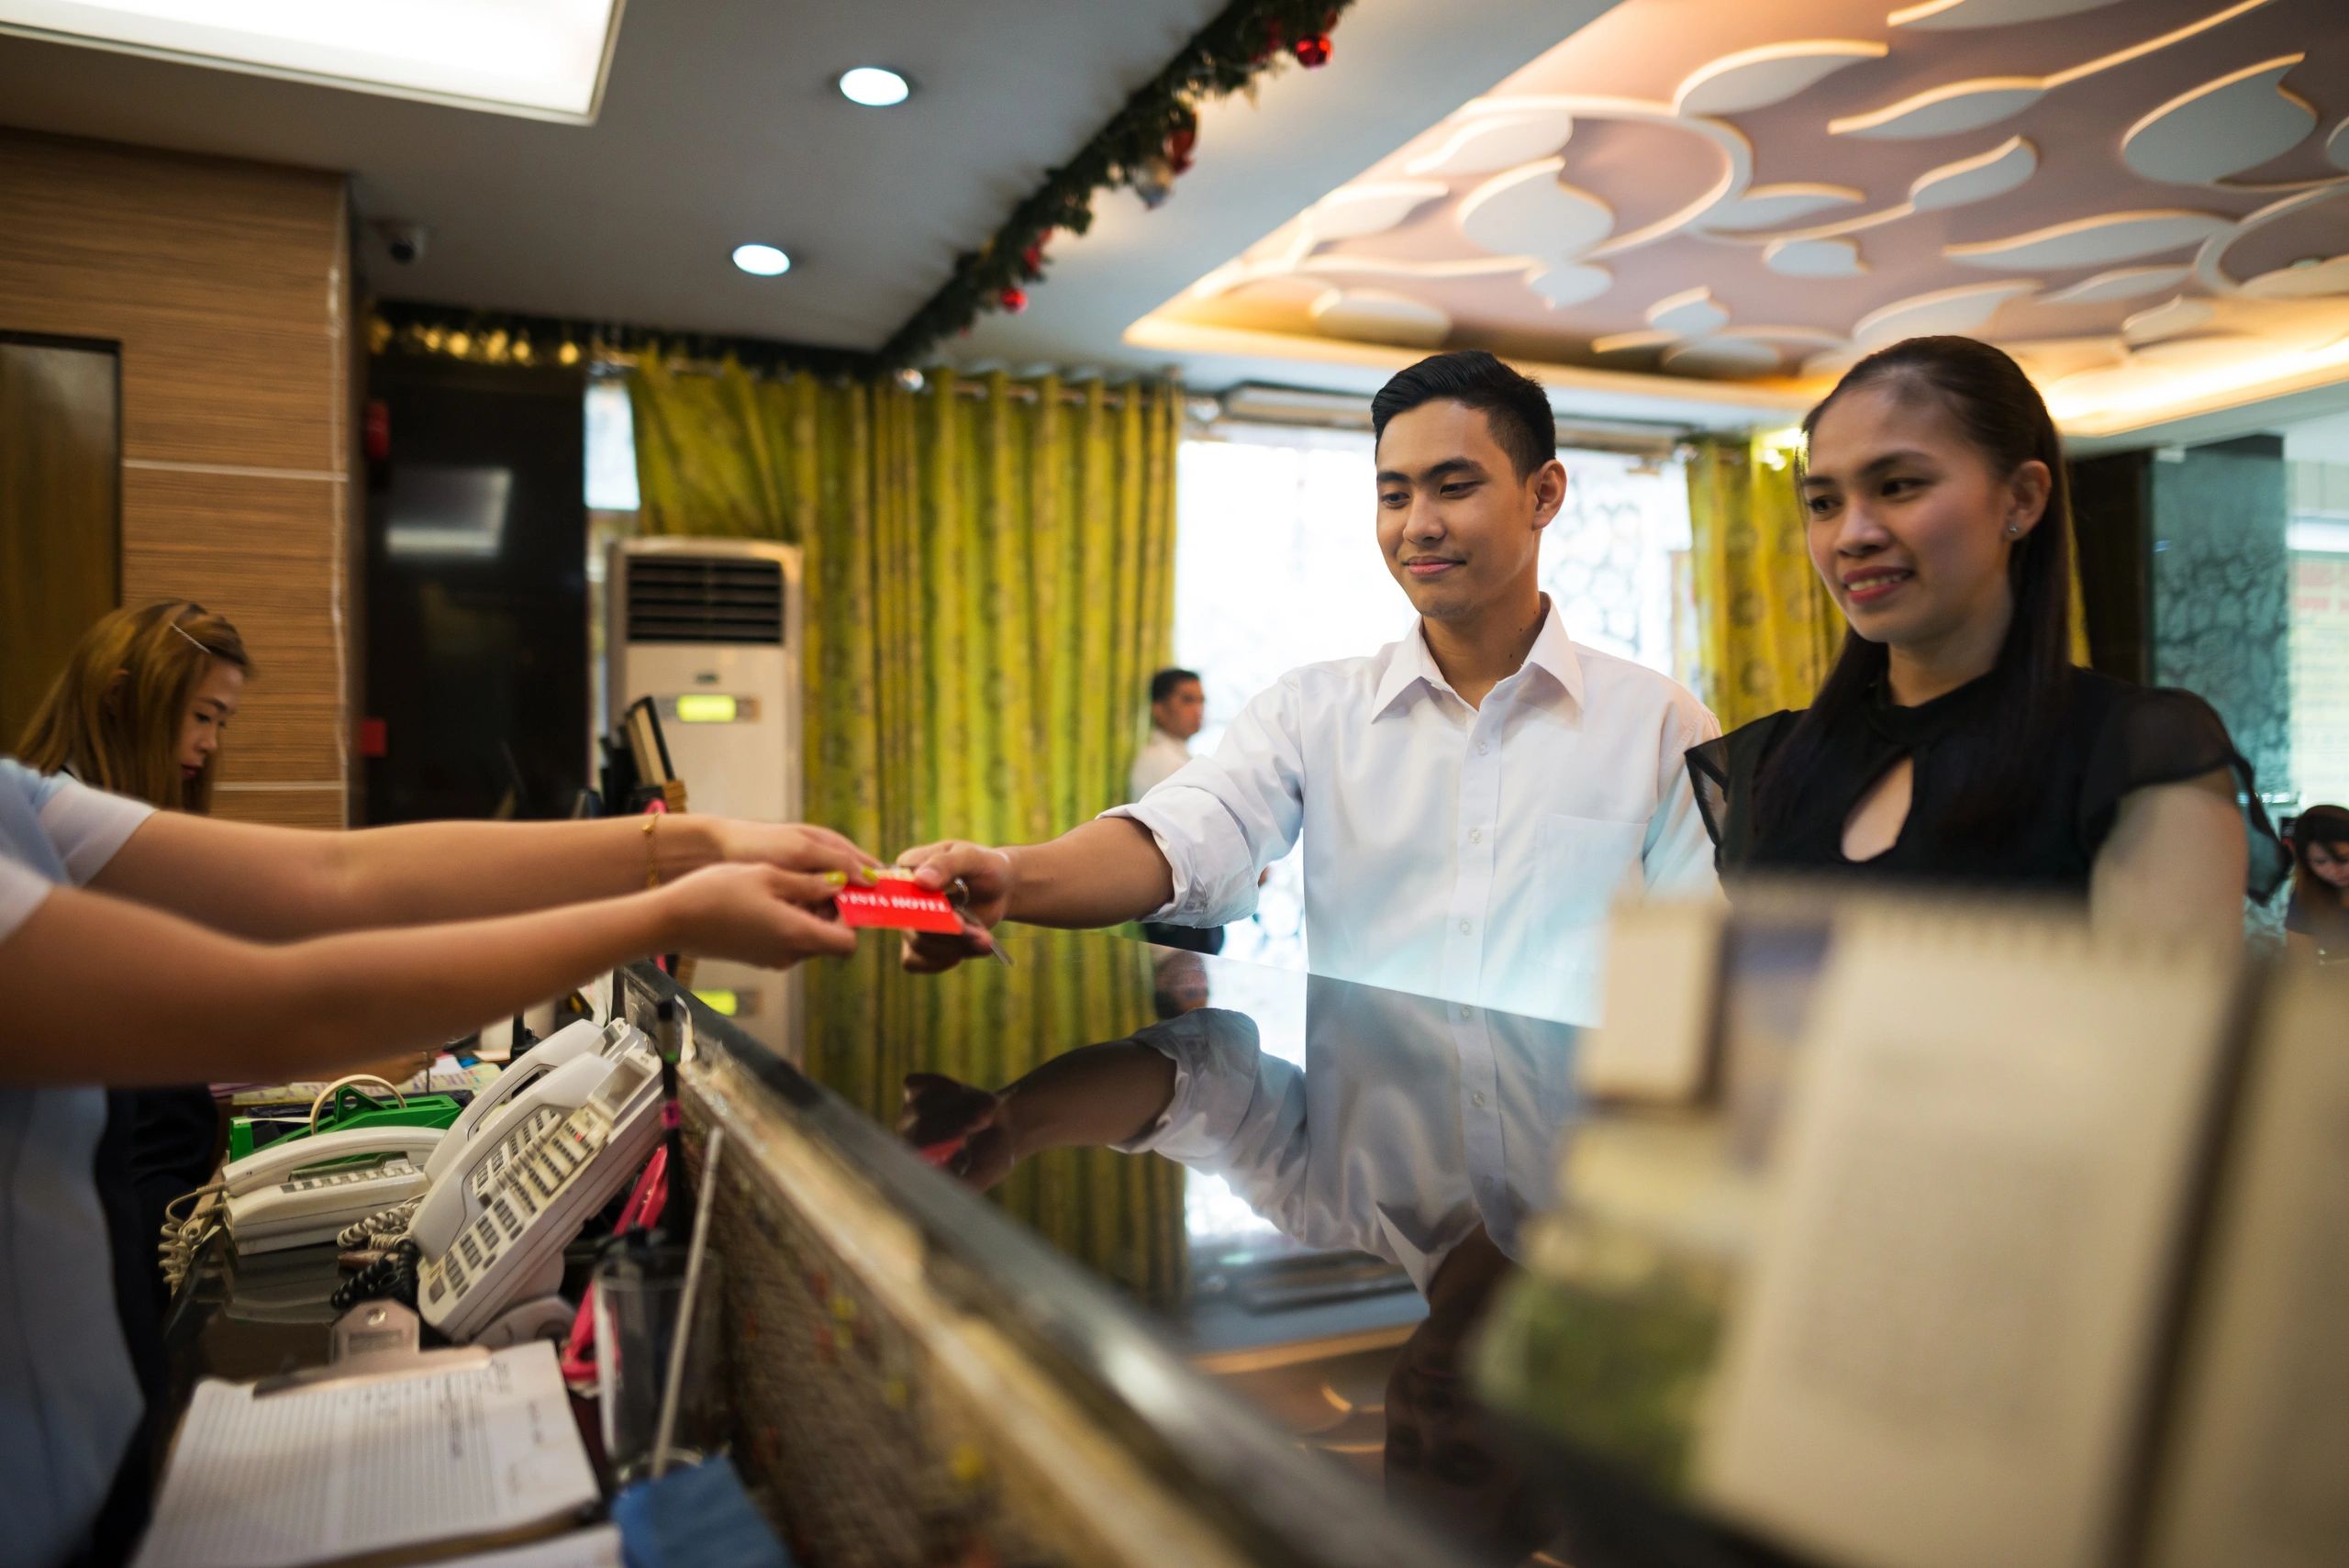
(1411, 1123)
(1161, 757)
(1467, 853)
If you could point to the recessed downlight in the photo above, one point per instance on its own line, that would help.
(875, 86)
(761, 261)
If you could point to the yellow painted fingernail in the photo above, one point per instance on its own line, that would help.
(836, 878)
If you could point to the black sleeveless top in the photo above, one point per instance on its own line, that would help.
(2114, 737)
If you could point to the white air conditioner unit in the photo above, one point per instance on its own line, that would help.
(711, 631)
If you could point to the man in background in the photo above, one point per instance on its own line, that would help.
(1178, 707)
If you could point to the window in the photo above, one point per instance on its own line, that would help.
(2321, 656)
(612, 502)
(1275, 565)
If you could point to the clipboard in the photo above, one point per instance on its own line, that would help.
(278, 1478)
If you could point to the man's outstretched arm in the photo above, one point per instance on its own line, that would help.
(1101, 872)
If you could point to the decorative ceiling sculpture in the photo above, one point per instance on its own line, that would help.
(2157, 189)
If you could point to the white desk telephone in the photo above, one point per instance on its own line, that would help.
(294, 1193)
(275, 1198)
(547, 1085)
(491, 1236)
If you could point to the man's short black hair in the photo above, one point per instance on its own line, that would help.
(1513, 404)
(1163, 684)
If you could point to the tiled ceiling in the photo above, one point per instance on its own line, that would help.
(2146, 200)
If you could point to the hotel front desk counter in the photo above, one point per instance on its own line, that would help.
(1336, 1318)
(920, 1376)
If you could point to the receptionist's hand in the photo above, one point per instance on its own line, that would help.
(756, 914)
(987, 876)
(965, 1132)
(792, 846)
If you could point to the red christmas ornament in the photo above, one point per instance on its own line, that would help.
(1179, 148)
(1014, 300)
(1032, 260)
(1312, 50)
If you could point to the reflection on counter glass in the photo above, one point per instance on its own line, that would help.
(1862, 1189)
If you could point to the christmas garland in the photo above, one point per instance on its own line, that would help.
(512, 337)
(1146, 146)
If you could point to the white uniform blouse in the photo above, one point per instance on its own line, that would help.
(69, 1400)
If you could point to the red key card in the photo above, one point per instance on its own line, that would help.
(900, 906)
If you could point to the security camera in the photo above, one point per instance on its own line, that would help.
(405, 242)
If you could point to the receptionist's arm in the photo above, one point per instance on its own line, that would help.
(277, 883)
(102, 990)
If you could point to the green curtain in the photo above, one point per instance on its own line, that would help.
(1769, 629)
(989, 571)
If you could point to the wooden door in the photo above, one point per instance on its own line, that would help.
(60, 510)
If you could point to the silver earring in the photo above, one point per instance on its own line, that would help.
(2014, 530)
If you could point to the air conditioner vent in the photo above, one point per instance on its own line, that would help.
(719, 598)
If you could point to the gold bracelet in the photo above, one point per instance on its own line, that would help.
(652, 857)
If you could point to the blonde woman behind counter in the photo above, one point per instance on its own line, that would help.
(143, 946)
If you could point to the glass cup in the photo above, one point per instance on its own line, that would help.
(638, 1290)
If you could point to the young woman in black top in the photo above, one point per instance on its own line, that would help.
(1953, 741)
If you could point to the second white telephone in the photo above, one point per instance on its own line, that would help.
(294, 1193)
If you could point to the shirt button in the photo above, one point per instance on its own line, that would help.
(1466, 1013)
(1480, 1099)
(1476, 834)
(1483, 747)
(1466, 926)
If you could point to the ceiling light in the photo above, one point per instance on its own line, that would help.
(542, 59)
(875, 87)
(761, 261)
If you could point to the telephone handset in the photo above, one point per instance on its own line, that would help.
(487, 1113)
(461, 1178)
(291, 1195)
(508, 1263)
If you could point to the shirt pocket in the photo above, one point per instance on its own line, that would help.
(1582, 863)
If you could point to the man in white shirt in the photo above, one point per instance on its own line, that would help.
(1471, 798)
(1178, 707)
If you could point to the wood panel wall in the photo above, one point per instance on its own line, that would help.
(228, 287)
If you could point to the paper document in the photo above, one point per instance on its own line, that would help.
(2259, 1467)
(597, 1548)
(315, 1474)
(1942, 1358)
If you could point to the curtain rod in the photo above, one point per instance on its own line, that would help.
(968, 384)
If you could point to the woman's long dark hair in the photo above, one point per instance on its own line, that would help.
(1995, 776)
(2329, 826)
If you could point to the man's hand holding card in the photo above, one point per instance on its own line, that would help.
(976, 882)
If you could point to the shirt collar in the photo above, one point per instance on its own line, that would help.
(1552, 653)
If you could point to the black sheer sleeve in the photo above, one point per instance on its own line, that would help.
(1722, 772)
(2157, 736)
